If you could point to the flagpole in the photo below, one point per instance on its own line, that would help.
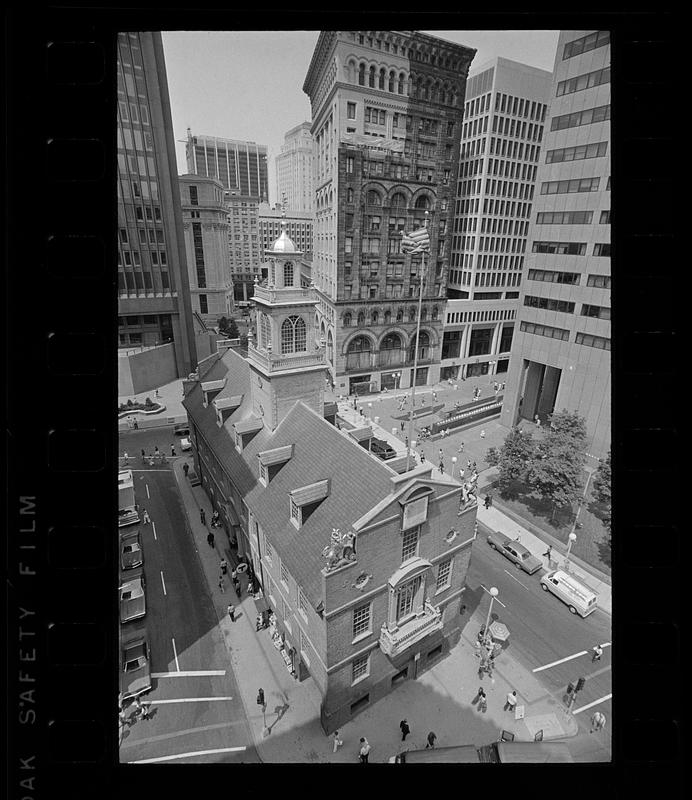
(415, 357)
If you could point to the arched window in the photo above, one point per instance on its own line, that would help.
(374, 317)
(347, 320)
(392, 81)
(371, 78)
(349, 195)
(400, 315)
(361, 320)
(412, 314)
(387, 317)
(330, 346)
(361, 344)
(392, 341)
(265, 331)
(293, 335)
(288, 273)
(361, 75)
(402, 79)
(434, 312)
(423, 202)
(398, 200)
(383, 76)
(373, 198)
(423, 314)
(423, 347)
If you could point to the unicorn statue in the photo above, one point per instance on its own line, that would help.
(340, 550)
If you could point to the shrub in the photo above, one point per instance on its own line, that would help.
(129, 402)
(148, 402)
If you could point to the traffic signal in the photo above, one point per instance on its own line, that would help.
(580, 684)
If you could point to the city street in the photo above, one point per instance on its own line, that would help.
(133, 442)
(544, 636)
(195, 703)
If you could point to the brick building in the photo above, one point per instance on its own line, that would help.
(362, 563)
(386, 123)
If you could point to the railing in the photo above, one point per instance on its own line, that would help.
(273, 362)
(287, 295)
(394, 642)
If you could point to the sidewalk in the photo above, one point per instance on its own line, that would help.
(171, 395)
(293, 732)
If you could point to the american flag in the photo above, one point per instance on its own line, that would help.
(416, 242)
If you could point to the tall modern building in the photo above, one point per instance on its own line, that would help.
(240, 166)
(244, 245)
(298, 227)
(153, 292)
(504, 119)
(386, 121)
(206, 242)
(561, 349)
(294, 166)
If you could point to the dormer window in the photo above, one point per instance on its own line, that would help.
(211, 389)
(415, 508)
(303, 502)
(271, 461)
(264, 474)
(244, 431)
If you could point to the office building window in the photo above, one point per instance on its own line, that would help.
(564, 218)
(577, 118)
(361, 668)
(598, 342)
(203, 307)
(599, 312)
(599, 281)
(549, 304)
(576, 185)
(552, 276)
(560, 248)
(578, 153)
(444, 574)
(581, 82)
(601, 249)
(284, 575)
(545, 330)
(268, 550)
(351, 110)
(605, 218)
(362, 620)
(586, 43)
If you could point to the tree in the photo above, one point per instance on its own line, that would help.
(556, 472)
(512, 459)
(228, 327)
(601, 489)
(223, 324)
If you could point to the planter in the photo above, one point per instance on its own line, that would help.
(156, 409)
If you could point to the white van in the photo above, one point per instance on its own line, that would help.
(579, 599)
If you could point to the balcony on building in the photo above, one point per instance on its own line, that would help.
(393, 642)
(284, 295)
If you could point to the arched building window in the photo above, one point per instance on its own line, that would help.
(423, 347)
(288, 273)
(383, 75)
(361, 319)
(373, 198)
(392, 81)
(423, 202)
(265, 331)
(387, 317)
(349, 195)
(293, 335)
(371, 78)
(361, 75)
(374, 317)
(398, 200)
(402, 82)
(347, 320)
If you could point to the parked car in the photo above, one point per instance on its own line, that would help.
(135, 676)
(515, 552)
(382, 449)
(131, 554)
(185, 444)
(182, 429)
(132, 600)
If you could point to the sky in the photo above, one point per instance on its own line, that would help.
(248, 85)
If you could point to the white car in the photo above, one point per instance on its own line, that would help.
(185, 444)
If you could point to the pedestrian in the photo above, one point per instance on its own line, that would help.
(260, 699)
(511, 701)
(483, 434)
(486, 502)
(441, 454)
(236, 586)
(434, 394)
(402, 425)
(548, 553)
(156, 451)
(231, 612)
(461, 448)
(156, 393)
(364, 750)
(234, 574)
(135, 424)
(142, 708)
(537, 420)
(406, 441)
(210, 539)
(598, 721)
(405, 730)
(186, 468)
(223, 565)
(431, 740)
(422, 457)
(221, 584)
(144, 456)
(202, 516)
(126, 457)
(145, 517)
(597, 653)
(468, 464)
(151, 460)
(482, 701)
(172, 450)
(337, 741)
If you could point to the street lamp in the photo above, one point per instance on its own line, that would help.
(493, 594)
(370, 410)
(396, 376)
(572, 539)
(454, 465)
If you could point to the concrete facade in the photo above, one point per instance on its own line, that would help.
(299, 226)
(561, 348)
(294, 166)
(504, 119)
(205, 222)
(240, 166)
(386, 122)
(244, 243)
(153, 291)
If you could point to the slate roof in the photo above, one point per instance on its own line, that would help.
(358, 480)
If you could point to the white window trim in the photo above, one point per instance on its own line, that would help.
(263, 474)
(449, 575)
(363, 634)
(297, 522)
(365, 675)
(282, 568)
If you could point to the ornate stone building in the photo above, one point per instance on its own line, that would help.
(386, 121)
(363, 565)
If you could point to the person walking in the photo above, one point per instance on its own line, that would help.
(482, 699)
(231, 612)
(202, 516)
(598, 721)
(186, 468)
(441, 454)
(405, 730)
(260, 699)
(126, 457)
(597, 653)
(156, 394)
(210, 539)
(402, 425)
(223, 566)
(144, 456)
(537, 420)
(172, 451)
(486, 502)
(222, 587)
(157, 453)
(548, 553)
(434, 394)
(135, 424)
(422, 457)
(431, 740)
(441, 466)
(142, 709)
(483, 434)
(511, 701)
(145, 517)
(337, 741)
(364, 752)
(461, 448)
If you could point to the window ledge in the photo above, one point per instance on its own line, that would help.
(362, 678)
(442, 589)
(362, 636)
